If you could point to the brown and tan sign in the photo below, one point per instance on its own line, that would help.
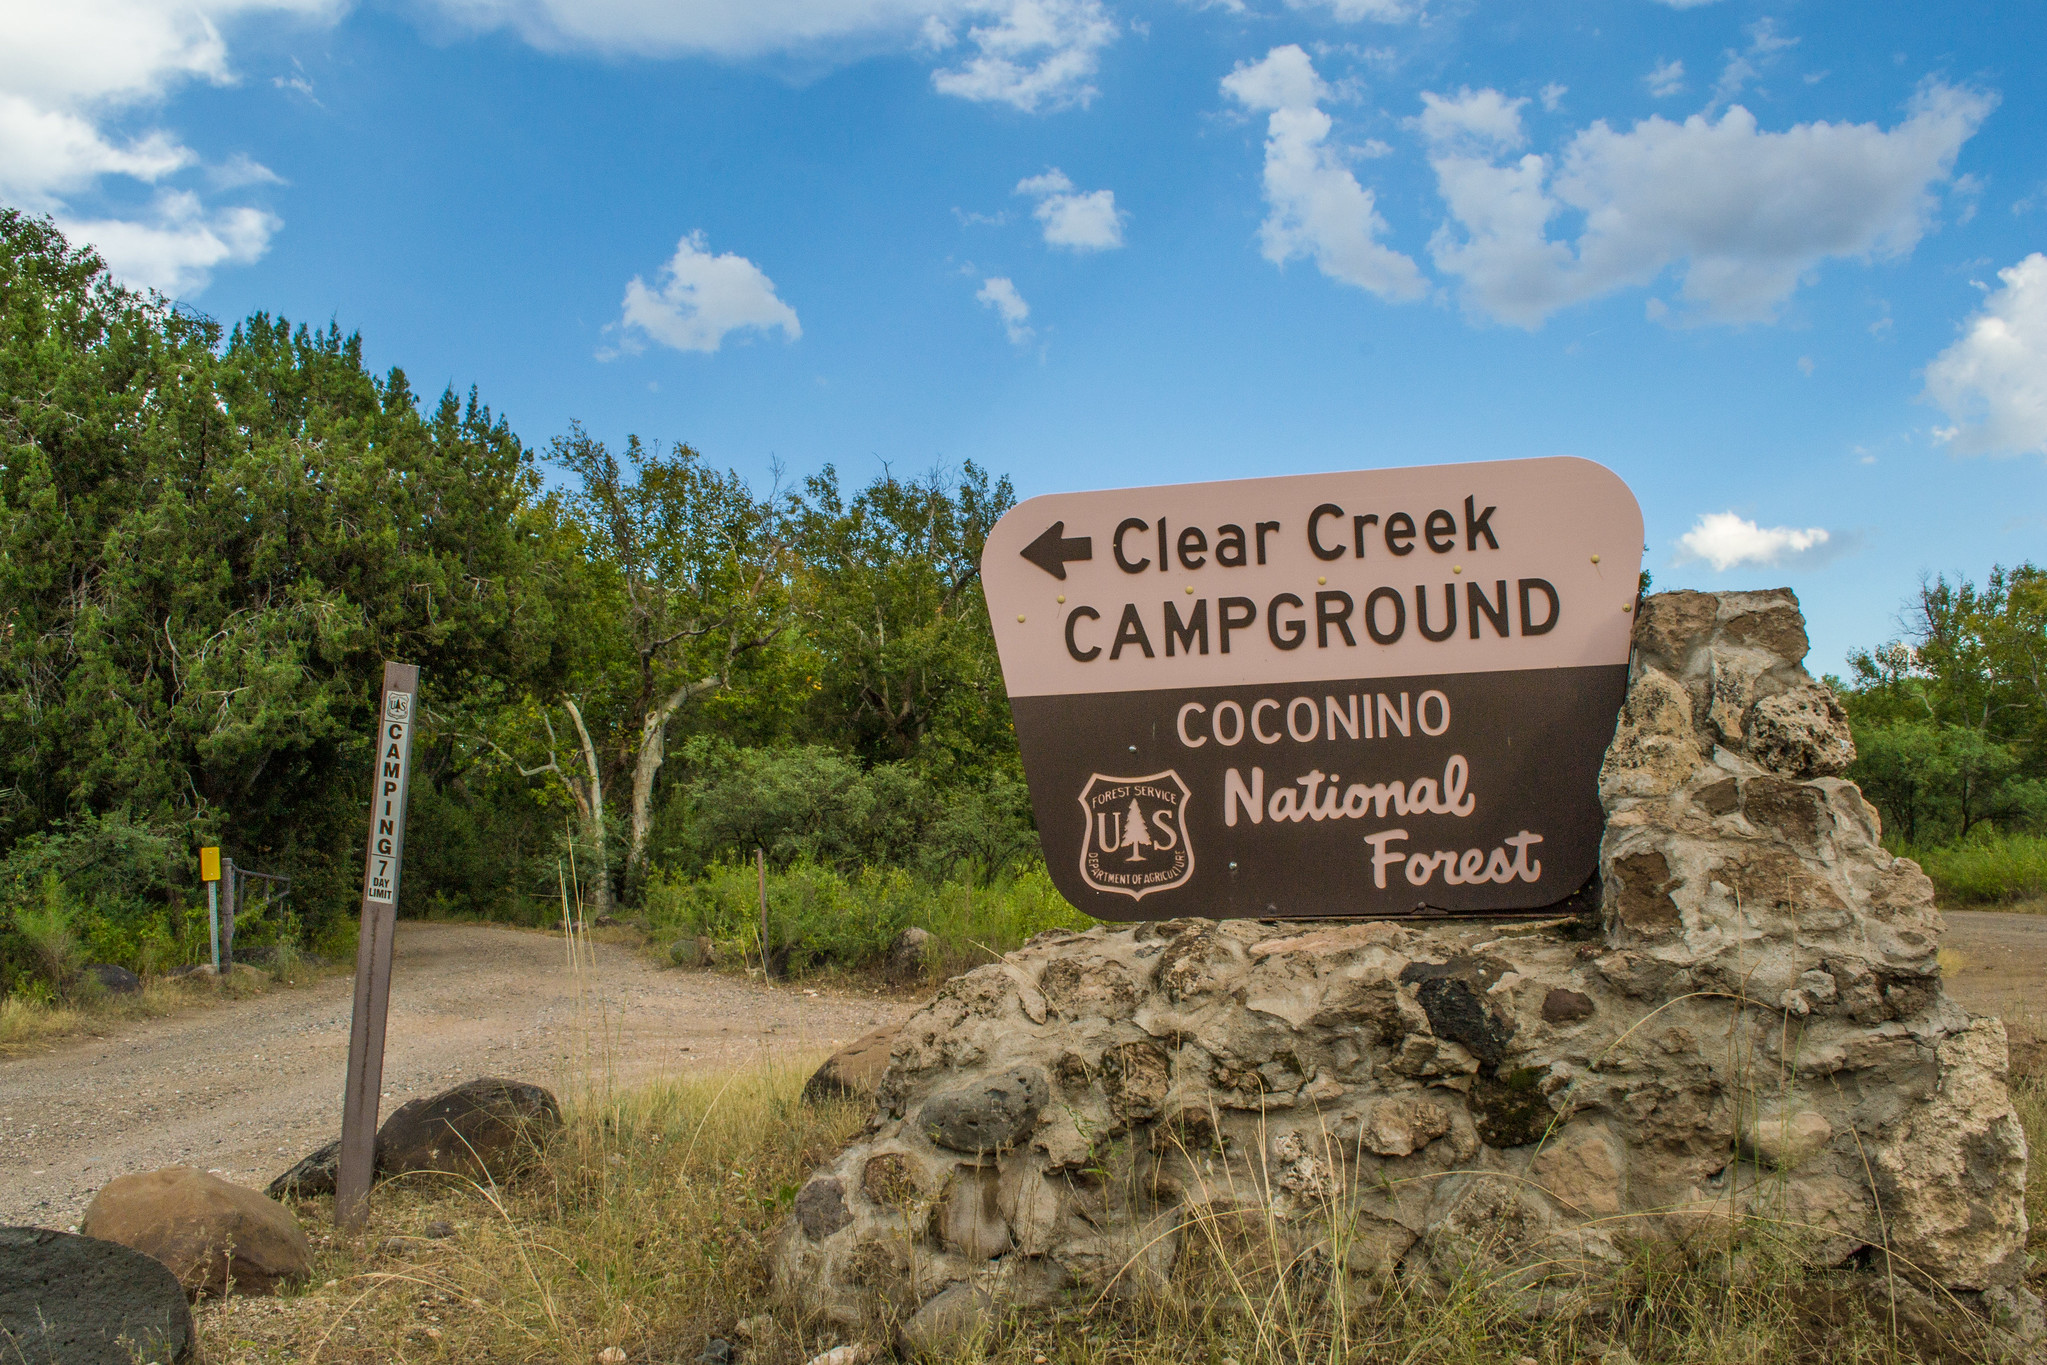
(1369, 693)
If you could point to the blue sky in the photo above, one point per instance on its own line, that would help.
(1773, 263)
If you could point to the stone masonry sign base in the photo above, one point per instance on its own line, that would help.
(1754, 1032)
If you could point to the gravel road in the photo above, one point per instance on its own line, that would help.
(1996, 963)
(246, 1088)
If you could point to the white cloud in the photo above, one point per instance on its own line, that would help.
(1745, 213)
(1553, 95)
(700, 300)
(176, 248)
(1684, 4)
(1037, 54)
(1992, 383)
(1667, 79)
(1724, 539)
(1317, 208)
(1743, 67)
(1286, 79)
(1076, 221)
(1033, 54)
(999, 293)
(48, 153)
(1479, 119)
(69, 71)
(1353, 11)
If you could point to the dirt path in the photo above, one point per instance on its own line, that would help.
(247, 1088)
(1996, 963)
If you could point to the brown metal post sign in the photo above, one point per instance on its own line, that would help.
(1370, 693)
(382, 863)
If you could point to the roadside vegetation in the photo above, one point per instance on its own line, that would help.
(1950, 725)
(641, 672)
(638, 669)
(646, 1235)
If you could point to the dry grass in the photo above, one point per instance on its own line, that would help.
(27, 1024)
(647, 1228)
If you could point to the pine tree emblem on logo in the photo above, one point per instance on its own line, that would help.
(1135, 840)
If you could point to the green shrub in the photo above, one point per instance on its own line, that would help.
(44, 925)
(820, 916)
(1987, 870)
(812, 804)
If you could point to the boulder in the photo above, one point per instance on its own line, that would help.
(76, 1300)
(1751, 1031)
(908, 955)
(313, 1175)
(854, 1072)
(114, 980)
(486, 1130)
(216, 1238)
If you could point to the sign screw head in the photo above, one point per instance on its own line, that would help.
(1595, 559)
(1190, 589)
(1321, 580)
(1627, 606)
(1456, 568)
(1019, 620)
(1062, 599)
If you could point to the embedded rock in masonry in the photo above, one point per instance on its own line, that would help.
(1755, 1031)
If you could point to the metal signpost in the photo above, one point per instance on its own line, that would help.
(209, 872)
(373, 948)
(1377, 693)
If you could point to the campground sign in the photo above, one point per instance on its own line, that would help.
(1373, 693)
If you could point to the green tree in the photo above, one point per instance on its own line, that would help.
(889, 591)
(1951, 721)
(688, 582)
(209, 544)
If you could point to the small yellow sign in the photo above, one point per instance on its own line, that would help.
(209, 864)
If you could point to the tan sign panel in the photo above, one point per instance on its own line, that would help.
(1374, 692)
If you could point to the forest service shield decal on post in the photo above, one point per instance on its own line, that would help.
(1135, 839)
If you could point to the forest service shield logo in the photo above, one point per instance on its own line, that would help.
(1135, 840)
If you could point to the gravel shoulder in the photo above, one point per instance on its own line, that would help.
(1996, 963)
(245, 1088)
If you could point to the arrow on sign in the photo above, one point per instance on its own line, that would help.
(1051, 550)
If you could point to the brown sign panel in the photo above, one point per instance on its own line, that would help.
(1369, 693)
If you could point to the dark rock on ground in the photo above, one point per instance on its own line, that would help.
(116, 980)
(855, 1070)
(216, 1238)
(314, 1174)
(73, 1300)
(488, 1129)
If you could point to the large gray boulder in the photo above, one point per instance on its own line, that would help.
(1752, 1029)
(71, 1300)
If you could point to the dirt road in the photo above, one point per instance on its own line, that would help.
(247, 1088)
(1997, 963)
